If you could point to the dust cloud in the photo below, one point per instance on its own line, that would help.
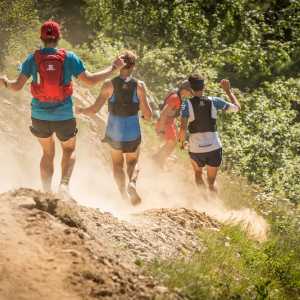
(92, 183)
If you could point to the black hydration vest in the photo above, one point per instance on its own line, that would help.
(123, 104)
(203, 122)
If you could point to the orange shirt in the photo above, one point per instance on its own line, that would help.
(174, 102)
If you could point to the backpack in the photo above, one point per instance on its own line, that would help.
(122, 102)
(163, 104)
(203, 120)
(50, 68)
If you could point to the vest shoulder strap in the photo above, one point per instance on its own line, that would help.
(117, 83)
(37, 57)
(61, 54)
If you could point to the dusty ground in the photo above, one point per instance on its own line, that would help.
(50, 249)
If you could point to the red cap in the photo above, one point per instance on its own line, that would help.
(50, 30)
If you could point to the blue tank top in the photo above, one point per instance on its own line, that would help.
(123, 128)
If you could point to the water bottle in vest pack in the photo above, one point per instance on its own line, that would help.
(50, 86)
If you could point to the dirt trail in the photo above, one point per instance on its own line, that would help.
(28, 268)
(52, 249)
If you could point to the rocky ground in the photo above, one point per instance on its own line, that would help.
(52, 249)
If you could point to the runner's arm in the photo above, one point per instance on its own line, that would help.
(14, 85)
(184, 120)
(94, 78)
(105, 93)
(182, 130)
(144, 104)
(225, 84)
(167, 111)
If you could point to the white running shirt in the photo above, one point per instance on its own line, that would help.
(203, 142)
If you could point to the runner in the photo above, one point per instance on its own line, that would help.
(166, 125)
(125, 96)
(52, 70)
(199, 116)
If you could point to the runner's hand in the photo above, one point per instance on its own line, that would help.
(118, 63)
(184, 145)
(181, 137)
(225, 84)
(78, 110)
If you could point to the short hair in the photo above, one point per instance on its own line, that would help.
(185, 85)
(197, 82)
(129, 58)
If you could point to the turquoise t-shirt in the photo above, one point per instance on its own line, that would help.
(61, 111)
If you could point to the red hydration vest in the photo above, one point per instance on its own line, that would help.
(50, 87)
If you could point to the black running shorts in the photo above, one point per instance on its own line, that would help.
(125, 147)
(64, 130)
(212, 159)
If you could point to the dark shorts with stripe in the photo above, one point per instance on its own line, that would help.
(212, 159)
(125, 147)
(64, 130)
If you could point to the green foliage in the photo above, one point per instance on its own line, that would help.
(69, 14)
(250, 40)
(162, 70)
(262, 143)
(230, 266)
(16, 16)
(100, 53)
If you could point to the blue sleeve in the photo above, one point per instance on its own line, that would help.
(28, 66)
(75, 65)
(220, 103)
(185, 110)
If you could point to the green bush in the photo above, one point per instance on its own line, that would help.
(230, 266)
(262, 142)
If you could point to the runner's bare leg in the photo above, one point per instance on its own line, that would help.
(165, 151)
(132, 165)
(118, 170)
(47, 162)
(198, 172)
(132, 172)
(68, 160)
(211, 178)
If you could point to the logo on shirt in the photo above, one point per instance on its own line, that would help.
(50, 67)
